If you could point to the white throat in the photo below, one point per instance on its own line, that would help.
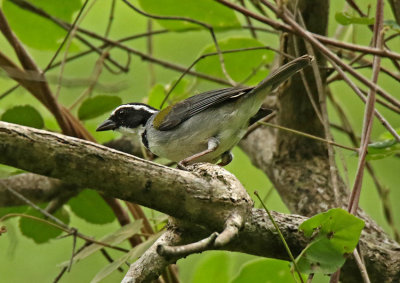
(131, 132)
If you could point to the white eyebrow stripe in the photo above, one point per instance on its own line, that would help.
(136, 107)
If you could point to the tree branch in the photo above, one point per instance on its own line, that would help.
(206, 197)
(35, 187)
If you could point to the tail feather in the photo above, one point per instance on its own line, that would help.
(284, 72)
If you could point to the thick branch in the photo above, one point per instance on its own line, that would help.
(207, 197)
(150, 265)
(126, 177)
(35, 187)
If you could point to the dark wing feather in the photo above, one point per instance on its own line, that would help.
(182, 111)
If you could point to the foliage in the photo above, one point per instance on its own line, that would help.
(96, 106)
(347, 19)
(23, 115)
(87, 206)
(334, 234)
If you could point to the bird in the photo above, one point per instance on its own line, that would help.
(204, 127)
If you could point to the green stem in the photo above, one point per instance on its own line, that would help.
(281, 237)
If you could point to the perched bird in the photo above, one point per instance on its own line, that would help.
(201, 128)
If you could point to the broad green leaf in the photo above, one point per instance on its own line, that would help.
(265, 270)
(95, 106)
(213, 268)
(180, 92)
(335, 234)
(38, 231)
(133, 254)
(156, 96)
(383, 149)
(87, 206)
(345, 19)
(206, 11)
(239, 65)
(158, 92)
(388, 136)
(386, 147)
(36, 31)
(115, 238)
(12, 209)
(392, 24)
(24, 115)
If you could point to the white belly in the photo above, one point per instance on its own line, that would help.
(192, 136)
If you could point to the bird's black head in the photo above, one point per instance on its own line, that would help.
(128, 118)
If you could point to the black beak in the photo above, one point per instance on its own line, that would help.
(106, 125)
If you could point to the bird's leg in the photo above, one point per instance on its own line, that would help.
(212, 145)
(226, 158)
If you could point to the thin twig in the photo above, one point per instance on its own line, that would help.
(368, 114)
(185, 250)
(193, 21)
(319, 41)
(94, 78)
(32, 8)
(110, 19)
(110, 259)
(382, 191)
(361, 266)
(335, 61)
(68, 230)
(248, 21)
(201, 57)
(281, 237)
(70, 36)
(308, 136)
(152, 73)
(323, 39)
(74, 24)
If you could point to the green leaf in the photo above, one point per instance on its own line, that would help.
(38, 231)
(95, 106)
(87, 206)
(240, 65)
(213, 268)
(392, 24)
(386, 147)
(156, 96)
(345, 19)
(265, 270)
(36, 31)
(206, 11)
(24, 115)
(388, 136)
(158, 92)
(115, 238)
(383, 149)
(12, 209)
(133, 254)
(335, 234)
(180, 92)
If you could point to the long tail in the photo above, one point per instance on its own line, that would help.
(284, 72)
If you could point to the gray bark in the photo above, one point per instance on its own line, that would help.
(203, 199)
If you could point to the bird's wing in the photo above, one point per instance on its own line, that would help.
(174, 115)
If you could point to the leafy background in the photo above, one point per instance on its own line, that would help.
(40, 261)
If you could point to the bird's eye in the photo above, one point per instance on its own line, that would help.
(121, 112)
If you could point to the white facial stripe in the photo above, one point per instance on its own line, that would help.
(136, 107)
